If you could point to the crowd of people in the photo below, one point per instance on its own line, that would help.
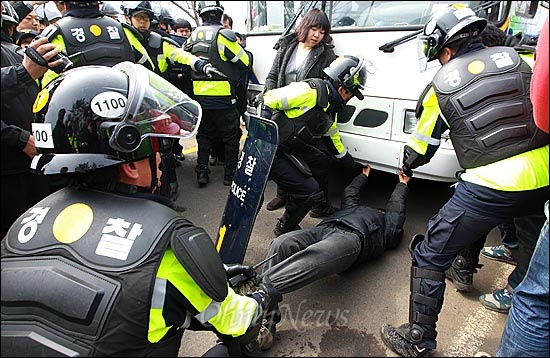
(95, 102)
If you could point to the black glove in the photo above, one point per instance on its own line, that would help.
(407, 171)
(235, 270)
(267, 112)
(267, 296)
(347, 162)
(201, 65)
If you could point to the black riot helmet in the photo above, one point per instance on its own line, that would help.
(448, 25)
(348, 72)
(132, 8)
(165, 17)
(212, 10)
(93, 117)
(82, 4)
(109, 9)
(9, 15)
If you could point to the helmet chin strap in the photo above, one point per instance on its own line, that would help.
(155, 182)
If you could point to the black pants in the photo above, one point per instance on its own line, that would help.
(223, 123)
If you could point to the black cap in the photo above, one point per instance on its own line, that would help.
(22, 8)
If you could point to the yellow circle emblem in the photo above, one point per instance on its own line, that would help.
(72, 223)
(96, 30)
(476, 67)
(41, 100)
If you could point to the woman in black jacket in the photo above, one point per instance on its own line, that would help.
(301, 55)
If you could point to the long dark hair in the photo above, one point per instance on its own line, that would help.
(314, 18)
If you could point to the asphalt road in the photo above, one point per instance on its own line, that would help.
(342, 315)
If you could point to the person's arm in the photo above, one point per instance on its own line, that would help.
(396, 212)
(272, 77)
(352, 193)
(539, 81)
(230, 50)
(426, 138)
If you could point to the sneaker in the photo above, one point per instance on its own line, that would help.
(400, 345)
(499, 253)
(500, 300)
(322, 212)
(213, 161)
(275, 203)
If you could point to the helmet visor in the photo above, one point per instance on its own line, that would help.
(354, 83)
(157, 107)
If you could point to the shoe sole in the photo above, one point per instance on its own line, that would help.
(492, 308)
(511, 262)
(460, 286)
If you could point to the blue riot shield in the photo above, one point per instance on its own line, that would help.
(247, 188)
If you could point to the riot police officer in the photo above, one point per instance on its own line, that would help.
(103, 267)
(481, 94)
(304, 112)
(165, 54)
(217, 94)
(88, 37)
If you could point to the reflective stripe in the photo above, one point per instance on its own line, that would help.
(284, 102)
(142, 60)
(187, 321)
(426, 139)
(341, 155)
(238, 56)
(209, 312)
(159, 293)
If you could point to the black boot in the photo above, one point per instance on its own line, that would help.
(228, 176)
(295, 211)
(461, 273)
(202, 174)
(417, 337)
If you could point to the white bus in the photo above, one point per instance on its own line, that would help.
(376, 129)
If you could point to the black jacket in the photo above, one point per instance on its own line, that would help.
(18, 93)
(379, 231)
(319, 58)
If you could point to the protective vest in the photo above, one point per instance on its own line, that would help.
(98, 253)
(297, 132)
(204, 44)
(484, 97)
(97, 41)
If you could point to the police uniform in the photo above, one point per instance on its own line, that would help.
(75, 267)
(217, 94)
(304, 112)
(482, 96)
(98, 40)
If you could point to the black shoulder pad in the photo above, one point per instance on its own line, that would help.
(322, 93)
(195, 251)
(228, 34)
(170, 41)
(132, 29)
(155, 40)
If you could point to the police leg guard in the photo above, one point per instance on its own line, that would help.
(423, 310)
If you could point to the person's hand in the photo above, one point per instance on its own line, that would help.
(47, 51)
(403, 178)
(235, 270)
(30, 148)
(366, 170)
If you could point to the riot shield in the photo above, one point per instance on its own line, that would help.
(247, 188)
